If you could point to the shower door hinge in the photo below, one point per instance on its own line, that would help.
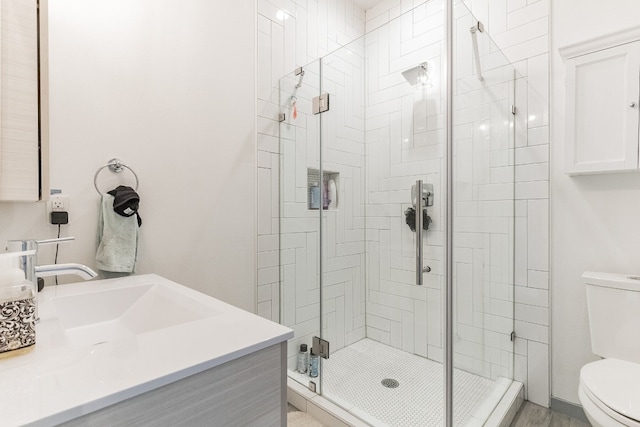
(321, 103)
(513, 110)
(320, 347)
(281, 117)
(513, 336)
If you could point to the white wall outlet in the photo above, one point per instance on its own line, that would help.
(59, 203)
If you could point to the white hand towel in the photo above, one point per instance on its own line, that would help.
(117, 239)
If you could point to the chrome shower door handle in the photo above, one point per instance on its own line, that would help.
(419, 208)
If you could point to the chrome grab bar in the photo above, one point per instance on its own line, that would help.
(419, 209)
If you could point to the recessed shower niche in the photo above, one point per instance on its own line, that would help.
(322, 192)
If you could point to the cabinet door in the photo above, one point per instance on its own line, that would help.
(602, 111)
(19, 145)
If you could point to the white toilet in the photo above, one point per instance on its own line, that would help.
(610, 388)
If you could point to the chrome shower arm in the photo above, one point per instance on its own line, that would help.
(476, 51)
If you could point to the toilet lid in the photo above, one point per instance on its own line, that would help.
(616, 383)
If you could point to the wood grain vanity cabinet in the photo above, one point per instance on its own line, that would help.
(20, 157)
(602, 97)
(249, 391)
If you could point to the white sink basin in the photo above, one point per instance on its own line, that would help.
(115, 314)
(101, 342)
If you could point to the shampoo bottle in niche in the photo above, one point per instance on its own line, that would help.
(314, 196)
(325, 195)
(333, 194)
(303, 359)
(313, 364)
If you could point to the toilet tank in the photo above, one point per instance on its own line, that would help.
(613, 303)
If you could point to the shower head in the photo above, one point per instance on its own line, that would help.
(417, 75)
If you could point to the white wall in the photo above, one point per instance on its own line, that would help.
(169, 88)
(594, 218)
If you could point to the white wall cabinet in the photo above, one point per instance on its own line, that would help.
(19, 141)
(602, 115)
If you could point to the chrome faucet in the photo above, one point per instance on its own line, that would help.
(33, 271)
(60, 269)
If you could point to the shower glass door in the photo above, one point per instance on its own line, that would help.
(300, 209)
(347, 220)
(344, 245)
(483, 221)
(383, 132)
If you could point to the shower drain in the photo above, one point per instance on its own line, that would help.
(390, 383)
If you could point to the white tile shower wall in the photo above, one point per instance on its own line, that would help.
(404, 143)
(294, 33)
(520, 29)
(405, 140)
(527, 49)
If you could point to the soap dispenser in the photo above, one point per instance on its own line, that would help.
(17, 305)
(314, 196)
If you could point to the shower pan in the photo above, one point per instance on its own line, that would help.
(413, 296)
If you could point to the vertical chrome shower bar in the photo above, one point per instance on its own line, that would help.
(448, 310)
(320, 240)
(419, 208)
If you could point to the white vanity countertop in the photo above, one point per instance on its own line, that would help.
(68, 374)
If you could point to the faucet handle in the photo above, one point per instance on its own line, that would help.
(30, 244)
(57, 240)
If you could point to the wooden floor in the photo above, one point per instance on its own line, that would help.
(291, 408)
(531, 415)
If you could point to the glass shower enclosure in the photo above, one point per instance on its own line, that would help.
(362, 129)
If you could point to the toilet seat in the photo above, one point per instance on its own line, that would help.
(610, 390)
(599, 414)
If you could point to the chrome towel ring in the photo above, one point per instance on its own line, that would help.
(116, 166)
